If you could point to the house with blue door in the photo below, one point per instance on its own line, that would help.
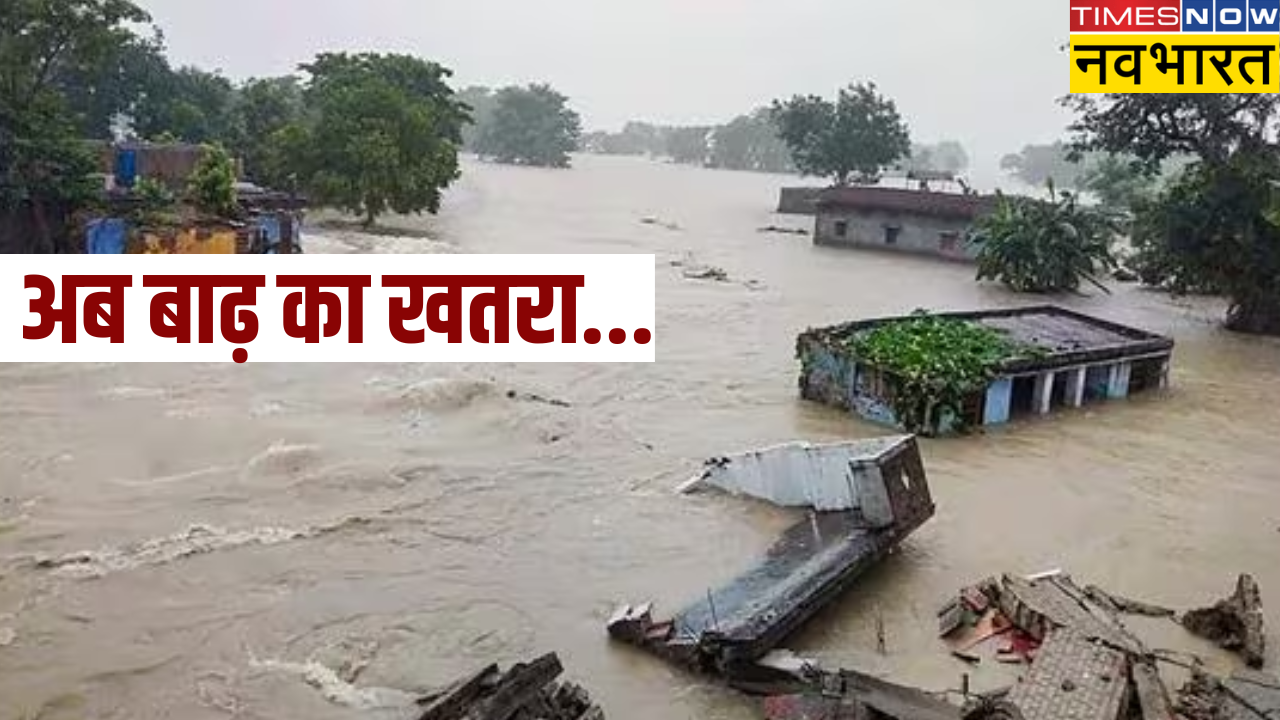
(1079, 360)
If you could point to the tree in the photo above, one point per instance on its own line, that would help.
(1209, 229)
(688, 145)
(1119, 183)
(947, 157)
(1041, 247)
(1039, 164)
(212, 185)
(751, 142)
(854, 138)
(189, 104)
(100, 94)
(45, 167)
(480, 102)
(262, 108)
(381, 134)
(530, 126)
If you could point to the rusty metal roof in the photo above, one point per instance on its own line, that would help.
(914, 202)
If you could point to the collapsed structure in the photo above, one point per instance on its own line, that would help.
(1077, 359)
(865, 498)
(1085, 664)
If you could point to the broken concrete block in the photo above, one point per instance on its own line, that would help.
(1073, 677)
(1234, 623)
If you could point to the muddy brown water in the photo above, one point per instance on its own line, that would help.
(323, 540)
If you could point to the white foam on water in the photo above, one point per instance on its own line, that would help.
(337, 690)
(442, 394)
(346, 242)
(7, 633)
(128, 392)
(176, 477)
(195, 540)
(284, 458)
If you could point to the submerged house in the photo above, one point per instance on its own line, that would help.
(264, 221)
(899, 219)
(1077, 359)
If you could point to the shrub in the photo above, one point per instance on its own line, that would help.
(1044, 246)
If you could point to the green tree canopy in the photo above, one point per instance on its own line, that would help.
(1044, 246)
(381, 134)
(530, 126)
(947, 156)
(263, 108)
(188, 104)
(751, 142)
(688, 145)
(47, 48)
(480, 101)
(1037, 165)
(1210, 228)
(853, 138)
(212, 183)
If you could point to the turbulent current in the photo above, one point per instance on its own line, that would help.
(326, 541)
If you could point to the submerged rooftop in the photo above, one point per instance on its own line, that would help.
(1067, 337)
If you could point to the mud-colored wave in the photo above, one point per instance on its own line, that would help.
(336, 689)
(195, 540)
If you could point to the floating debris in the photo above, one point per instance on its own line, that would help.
(1234, 623)
(532, 398)
(783, 230)
(1247, 695)
(815, 561)
(1125, 606)
(527, 690)
(1082, 657)
(660, 223)
(1072, 671)
(707, 273)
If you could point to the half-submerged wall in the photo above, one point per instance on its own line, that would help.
(799, 200)
(1083, 359)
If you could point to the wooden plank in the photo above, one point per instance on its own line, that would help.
(452, 703)
(517, 687)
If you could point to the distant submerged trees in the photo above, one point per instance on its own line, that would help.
(853, 138)
(530, 125)
(748, 142)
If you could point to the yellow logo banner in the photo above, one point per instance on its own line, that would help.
(1175, 63)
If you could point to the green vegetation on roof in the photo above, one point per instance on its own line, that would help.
(934, 363)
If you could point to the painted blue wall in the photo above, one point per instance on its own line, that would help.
(999, 402)
(105, 237)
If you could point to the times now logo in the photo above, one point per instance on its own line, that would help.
(1164, 16)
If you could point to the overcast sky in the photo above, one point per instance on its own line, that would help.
(985, 72)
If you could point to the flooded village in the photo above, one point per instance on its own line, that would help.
(857, 483)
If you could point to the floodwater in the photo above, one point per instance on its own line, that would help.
(321, 541)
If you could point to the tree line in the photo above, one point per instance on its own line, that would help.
(800, 135)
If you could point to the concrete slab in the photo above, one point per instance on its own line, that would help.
(1073, 678)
